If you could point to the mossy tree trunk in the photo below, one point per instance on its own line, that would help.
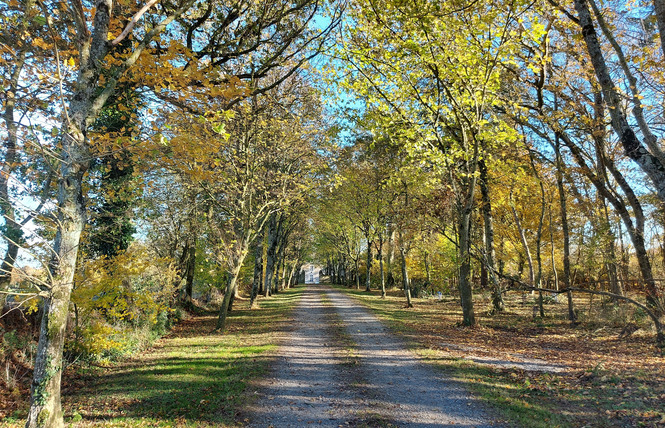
(231, 285)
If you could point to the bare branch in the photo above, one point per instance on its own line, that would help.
(133, 22)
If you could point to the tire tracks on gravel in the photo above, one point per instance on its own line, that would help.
(308, 385)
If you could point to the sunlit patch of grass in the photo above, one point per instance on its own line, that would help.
(191, 378)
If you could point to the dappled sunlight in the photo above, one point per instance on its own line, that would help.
(340, 366)
(307, 383)
(193, 377)
(397, 378)
(538, 372)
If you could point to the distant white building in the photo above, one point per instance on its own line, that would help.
(312, 273)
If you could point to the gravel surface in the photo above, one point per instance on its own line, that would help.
(308, 385)
(313, 385)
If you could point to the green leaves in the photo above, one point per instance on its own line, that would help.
(220, 128)
(39, 20)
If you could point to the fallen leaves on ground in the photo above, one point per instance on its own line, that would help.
(608, 381)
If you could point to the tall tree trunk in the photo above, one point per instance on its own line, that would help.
(294, 266)
(234, 295)
(231, 286)
(13, 232)
(552, 260)
(564, 227)
(525, 245)
(633, 148)
(636, 230)
(285, 266)
(357, 273)
(278, 267)
(369, 263)
(488, 220)
(86, 103)
(428, 268)
(257, 281)
(466, 293)
(281, 248)
(189, 272)
(390, 280)
(45, 407)
(270, 254)
(405, 276)
(625, 257)
(345, 272)
(539, 235)
(383, 276)
(599, 136)
(610, 251)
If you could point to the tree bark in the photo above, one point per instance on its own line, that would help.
(294, 266)
(466, 293)
(390, 280)
(599, 136)
(488, 220)
(369, 263)
(275, 282)
(405, 277)
(539, 235)
(231, 288)
(191, 267)
(383, 276)
(270, 254)
(552, 260)
(564, 228)
(285, 266)
(635, 231)
(45, 407)
(280, 260)
(525, 245)
(13, 231)
(632, 146)
(258, 269)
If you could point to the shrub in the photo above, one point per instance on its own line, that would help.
(121, 303)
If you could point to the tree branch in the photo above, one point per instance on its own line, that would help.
(133, 22)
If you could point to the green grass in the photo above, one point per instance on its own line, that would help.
(510, 396)
(610, 382)
(192, 378)
(516, 398)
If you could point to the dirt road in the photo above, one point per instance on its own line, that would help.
(315, 383)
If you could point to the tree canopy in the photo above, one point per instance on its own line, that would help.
(163, 154)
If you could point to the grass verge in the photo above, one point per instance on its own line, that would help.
(190, 378)
(608, 381)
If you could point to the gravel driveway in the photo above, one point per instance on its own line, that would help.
(312, 384)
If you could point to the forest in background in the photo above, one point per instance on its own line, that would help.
(162, 157)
